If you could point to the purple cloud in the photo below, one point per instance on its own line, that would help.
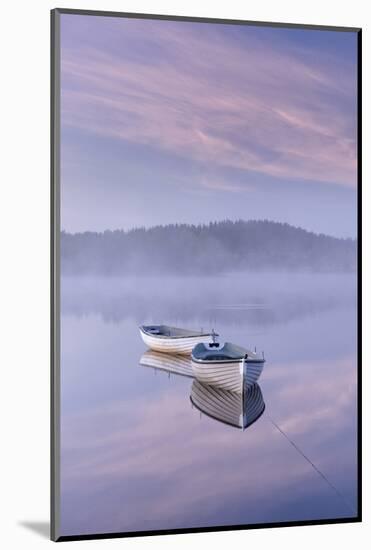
(213, 99)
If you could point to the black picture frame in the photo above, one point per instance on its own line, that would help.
(55, 274)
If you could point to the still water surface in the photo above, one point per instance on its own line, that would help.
(135, 454)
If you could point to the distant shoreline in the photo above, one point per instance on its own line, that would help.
(206, 249)
(199, 225)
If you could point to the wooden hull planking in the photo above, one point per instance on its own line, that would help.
(179, 345)
(229, 375)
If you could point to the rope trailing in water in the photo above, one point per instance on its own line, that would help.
(340, 495)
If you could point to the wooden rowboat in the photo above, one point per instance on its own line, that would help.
(174, 364)
(235, 409)
(226, 366)
(172, 339)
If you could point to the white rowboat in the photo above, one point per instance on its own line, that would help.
(226, 366)
(172, 339)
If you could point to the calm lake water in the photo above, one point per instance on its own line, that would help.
(135, 454)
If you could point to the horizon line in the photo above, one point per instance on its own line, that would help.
(204, 225)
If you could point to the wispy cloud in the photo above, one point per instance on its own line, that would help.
(222, 185)
(199, 93)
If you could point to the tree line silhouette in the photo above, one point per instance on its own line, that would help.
(211, 248)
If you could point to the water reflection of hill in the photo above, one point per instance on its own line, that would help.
(247, 299)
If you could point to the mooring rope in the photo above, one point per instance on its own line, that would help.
(322, 475)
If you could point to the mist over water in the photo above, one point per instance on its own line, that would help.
(137, 456)
(261, 298)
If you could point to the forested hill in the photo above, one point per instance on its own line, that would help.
(205, 249)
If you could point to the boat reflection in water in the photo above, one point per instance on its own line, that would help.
(238, 409)
(176, 364)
